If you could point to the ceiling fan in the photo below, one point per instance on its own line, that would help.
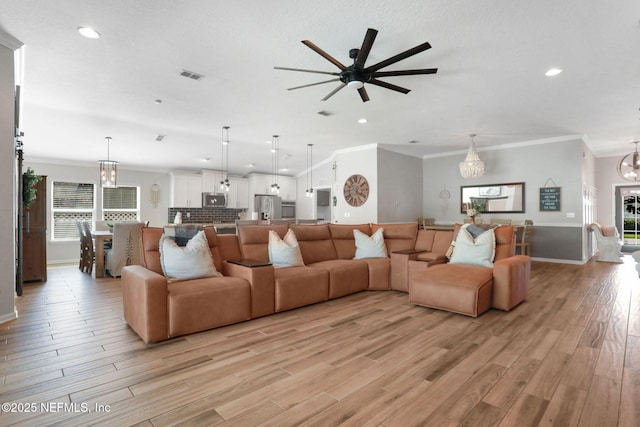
(356, 75)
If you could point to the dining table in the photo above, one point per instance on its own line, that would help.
(100, 237)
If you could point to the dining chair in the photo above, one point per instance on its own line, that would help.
(87, 253)
(125, 247)
(501, 221)
(523, 238)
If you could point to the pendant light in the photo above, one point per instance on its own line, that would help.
(309, 190)
(224, 157)
(472, 167)
(629, 166)
(275, 152)
(108, 169)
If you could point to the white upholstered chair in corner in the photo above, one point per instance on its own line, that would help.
(125, 247)
(609, 243)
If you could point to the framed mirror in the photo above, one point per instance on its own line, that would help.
(493, 198)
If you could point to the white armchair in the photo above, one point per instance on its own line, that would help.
(125, 248)
(609, 243)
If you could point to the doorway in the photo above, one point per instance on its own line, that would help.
(323, 204)
(628, 216)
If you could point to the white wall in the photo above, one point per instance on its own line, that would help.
(58, 252)
(399, 187)
(7, 181)
(364, 161)
(534, 164)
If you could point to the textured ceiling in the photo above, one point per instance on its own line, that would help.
(491, 56)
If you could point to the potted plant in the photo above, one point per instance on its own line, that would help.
(29, 181)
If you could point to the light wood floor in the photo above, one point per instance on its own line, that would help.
(568, 356)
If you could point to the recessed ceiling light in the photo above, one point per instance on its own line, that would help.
(205, 159)
(362, 121)
(158, 101)
(89, 32)
(251, 165)
(268, 142)
(553, 72)
(284, 169)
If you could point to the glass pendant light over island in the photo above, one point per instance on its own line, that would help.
(108, 169)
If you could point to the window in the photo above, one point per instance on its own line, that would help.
(120, 204)
(72, 202)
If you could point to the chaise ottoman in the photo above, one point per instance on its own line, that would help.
(460, 288)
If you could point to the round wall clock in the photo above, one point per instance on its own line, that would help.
(356, 190)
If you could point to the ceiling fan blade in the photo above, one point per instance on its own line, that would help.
(398, 57)
(366, 47)
(324, 54)
(333, 92)
(404, 72)
(306, 71)
(314, 84)
(388, 86)
(363, 94)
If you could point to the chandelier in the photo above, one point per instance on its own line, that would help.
(275, 148)
(309, 191)
(224, 183)
(629, 166)
(108, 169)
(472, 167)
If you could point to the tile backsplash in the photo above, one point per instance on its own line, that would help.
(204, 215)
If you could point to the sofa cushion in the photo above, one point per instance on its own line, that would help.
(370, 247)
(254, 240)
(398, 236)
(464, 289)
(284, 252)
(343, 239)
(315, 243)
(191, 261)
(345, 276)
(479, 251)
(300, 286)
(201, 304)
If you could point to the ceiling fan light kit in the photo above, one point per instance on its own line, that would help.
(357, 75)
(629, 166)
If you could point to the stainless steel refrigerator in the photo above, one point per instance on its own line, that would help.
(268, 206)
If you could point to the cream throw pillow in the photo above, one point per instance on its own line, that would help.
(192, 261)
(479, 251)
(284, 252)
(370, 247)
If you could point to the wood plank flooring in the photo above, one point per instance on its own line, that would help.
(569, 355)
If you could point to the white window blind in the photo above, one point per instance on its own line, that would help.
(120, 204)
(72, 202)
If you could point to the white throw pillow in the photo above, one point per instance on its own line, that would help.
(284, 252)
(370, 247)
(479, 251)
(192, 261)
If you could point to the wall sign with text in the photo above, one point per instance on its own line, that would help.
(549, 199)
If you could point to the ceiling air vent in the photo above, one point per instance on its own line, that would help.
(160, 137)
(191, 75)
(324, 113)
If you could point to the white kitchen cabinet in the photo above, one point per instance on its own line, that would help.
(261, 184)
(186, 190)
(211, 181)
(287, 188)
(238, 195)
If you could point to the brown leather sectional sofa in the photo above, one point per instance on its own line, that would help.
(158, 309)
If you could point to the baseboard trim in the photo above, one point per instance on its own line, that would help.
(9, 317)
(560, 261)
